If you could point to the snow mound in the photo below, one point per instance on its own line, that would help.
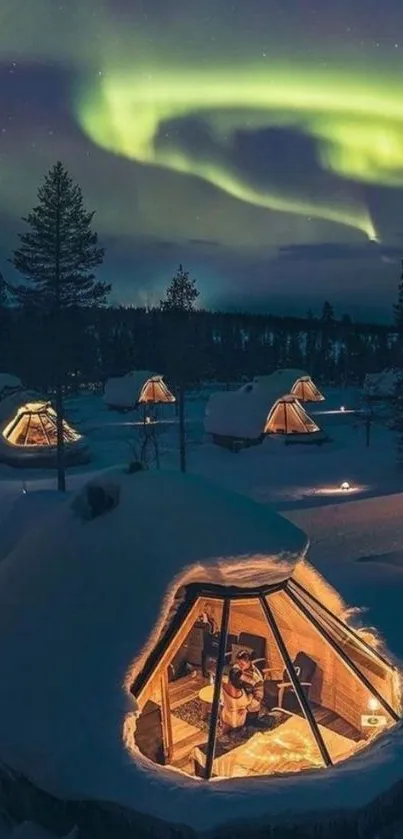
(28, 513)
(85, 598)
(124, 391)
(8, 384)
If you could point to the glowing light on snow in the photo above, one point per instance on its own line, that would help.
(345, 488)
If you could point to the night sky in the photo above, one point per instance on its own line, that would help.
(258, 142)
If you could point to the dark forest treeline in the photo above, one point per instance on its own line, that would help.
(102, 342)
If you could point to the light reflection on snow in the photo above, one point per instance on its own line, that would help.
(336, 412)
(353, 489)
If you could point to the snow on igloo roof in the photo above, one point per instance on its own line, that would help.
(9, 382)
(14, 401)
(283, 379)
(84, 599)
(125, 390)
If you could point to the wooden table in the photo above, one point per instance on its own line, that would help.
(206, 696)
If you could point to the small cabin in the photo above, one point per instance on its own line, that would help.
(140, 387)
(296, 382)
(246, 416)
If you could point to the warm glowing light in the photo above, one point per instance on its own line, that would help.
(341, 489)
(155, 390)
(373, 704)
(34, 424)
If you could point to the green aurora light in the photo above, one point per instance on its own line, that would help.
(357, 128)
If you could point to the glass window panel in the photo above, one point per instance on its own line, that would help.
(303, 420)
(253, 737)
(19, 432)
(191, 681)
(381, 675)
(36, 435)
(49, 425)
(151, 734)
(341, 705)
(184, 682)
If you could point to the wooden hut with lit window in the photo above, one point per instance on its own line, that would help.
(140, 388)
(133, 625)
(296, 382)
(247, 416)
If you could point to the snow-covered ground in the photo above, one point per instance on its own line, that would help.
(356, 536)
(286, 476)
(26, 830)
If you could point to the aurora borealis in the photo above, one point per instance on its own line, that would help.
(218, 134)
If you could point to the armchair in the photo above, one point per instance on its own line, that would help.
(305, 668)
(253, 644)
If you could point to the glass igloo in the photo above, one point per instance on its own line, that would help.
(260, 682)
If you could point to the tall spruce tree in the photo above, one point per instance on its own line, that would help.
(398, 396)
(179, 305)
(56, 257)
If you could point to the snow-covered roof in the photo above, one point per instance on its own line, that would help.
(124, 391)
(82, 602)
(240, 413)
(281, 381)
(9, 382)
(244, 413)
(381, 384)
(11, 403)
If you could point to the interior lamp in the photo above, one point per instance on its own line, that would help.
(345, 486)
(373, 704)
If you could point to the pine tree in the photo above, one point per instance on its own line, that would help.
(179, 304)
(181, 294)
(56, 257)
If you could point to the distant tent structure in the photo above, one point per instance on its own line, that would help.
(140, 387)
(306, 391)
(156, 391)
(28, 433)
(289, 418)
(296, 382)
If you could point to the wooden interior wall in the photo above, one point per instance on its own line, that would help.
(247, 616)
(334, 687)
(377, 673)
